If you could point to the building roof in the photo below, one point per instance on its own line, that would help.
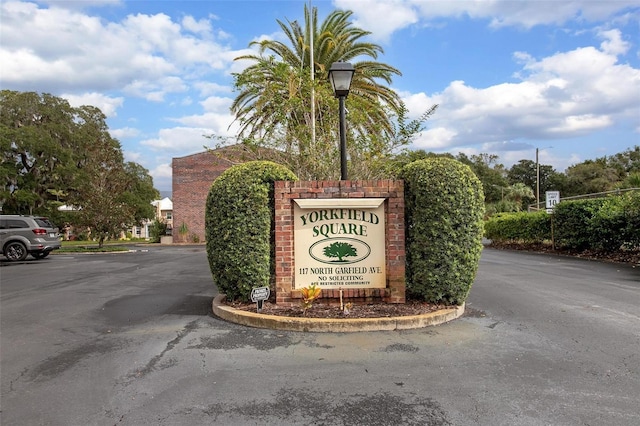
(164, 204)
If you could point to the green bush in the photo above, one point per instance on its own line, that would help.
(616, 223)
(573, 223)
(156, 230)
(504, 206)
(239, 227)
(444, 211)
(631, 232)
(522, 227)
(605, 224)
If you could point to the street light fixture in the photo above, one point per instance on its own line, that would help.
(340, 75)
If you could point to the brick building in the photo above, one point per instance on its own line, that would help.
(191, 182)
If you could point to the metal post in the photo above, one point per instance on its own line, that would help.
(537, 181)
(343, 140)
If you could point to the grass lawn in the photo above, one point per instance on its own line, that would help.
(92, 246)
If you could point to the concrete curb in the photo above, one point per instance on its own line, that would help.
(326, 325)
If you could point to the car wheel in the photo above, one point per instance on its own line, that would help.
(40, 254)
(15, 251)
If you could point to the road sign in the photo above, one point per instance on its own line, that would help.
(553, 198)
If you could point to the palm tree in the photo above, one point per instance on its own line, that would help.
(519, 192)
(275, 90)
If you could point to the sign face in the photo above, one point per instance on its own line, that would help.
(340, 243)
(553, 198)
(260, 293)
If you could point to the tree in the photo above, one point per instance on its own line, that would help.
(53, 153)
(490, 172)
(520, 193)
(39, 138)
(340, 250)
(335, 40)
(274, 109)
(632, 181)
(627, 161)
(110, 195)
(591, 176)
(140, 192)
(524, 171)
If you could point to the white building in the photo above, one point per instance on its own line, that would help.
(164, 212)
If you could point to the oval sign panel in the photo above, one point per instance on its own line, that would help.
(339, 251)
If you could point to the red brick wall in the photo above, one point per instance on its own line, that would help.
(392, 190)
(191, 182)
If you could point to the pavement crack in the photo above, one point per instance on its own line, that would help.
(20, 376)
(153, 362)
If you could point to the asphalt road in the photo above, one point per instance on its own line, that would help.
(128, 339)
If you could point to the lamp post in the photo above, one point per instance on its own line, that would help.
(340, 75)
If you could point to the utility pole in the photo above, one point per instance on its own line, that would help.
(537, 181)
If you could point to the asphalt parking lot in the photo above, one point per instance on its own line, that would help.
(129, 339)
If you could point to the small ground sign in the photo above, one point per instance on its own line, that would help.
(259, 295)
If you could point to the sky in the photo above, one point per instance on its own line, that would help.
(510, 77)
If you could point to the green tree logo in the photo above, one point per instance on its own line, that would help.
(340, 250)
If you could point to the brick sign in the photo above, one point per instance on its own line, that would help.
(339, 243)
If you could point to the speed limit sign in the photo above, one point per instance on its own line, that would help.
(553, 198)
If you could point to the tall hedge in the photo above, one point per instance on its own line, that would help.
(239, 227)
(522, 227)
(606, 224)
(572, 222)
(444, 211)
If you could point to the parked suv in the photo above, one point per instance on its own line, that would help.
(22, 235)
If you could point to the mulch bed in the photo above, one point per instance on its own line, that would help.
(320, 310)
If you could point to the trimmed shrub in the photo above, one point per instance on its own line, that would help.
(631, 232)
(521, 227)
(239, 227)
(444, 211)
(573, 223)
(616, 223)
(605, 224)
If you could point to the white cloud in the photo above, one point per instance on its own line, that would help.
(399, 14)
(203, 26)
(135, 157)
(562, 96)
(55, 49)
(161, 175)
(435, 139)
(124, 133)
(613, 44)
(581, 123)
(81, 4)
(162, 171)
(155, 91)
(107, 104)
(182, 140)
(209, 88)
